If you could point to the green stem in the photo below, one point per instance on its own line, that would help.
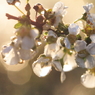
(19, 10)
(77, 20)
(27, 1)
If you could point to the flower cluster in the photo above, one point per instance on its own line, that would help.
(68, 46)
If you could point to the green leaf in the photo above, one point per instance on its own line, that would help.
(18, 25)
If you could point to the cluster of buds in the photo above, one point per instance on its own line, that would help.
(68, 46)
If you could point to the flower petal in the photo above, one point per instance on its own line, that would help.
(12, 57)
(88, 7)
(90, 62)
(51, 49)
(69, 62)
(80, 62)
(88, 80)
(59, 8)
(41, 68)
(27, 43)
(51, 33)
(62, 77)
(6, 50)
(27, 54)
(74, 29)
(57, 65)
(79, 45)
(92, 37)
(91, 48)
(67, 43)
(34, 33)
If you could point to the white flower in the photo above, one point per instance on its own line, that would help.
(27, 54)
(80, 45)
(42, 66)
(88, 7)
(88, 80)
(57, 65)
(59, 41)
(6, 50)
(92, 37)
(53, 50)
(73, 30)
(85, 58)
(60, 10)
(91, 48)
(91, 18)
(27, 43)
(34, 33)
(67, 43)
(51, 33)
(12, 57)
(69, 62)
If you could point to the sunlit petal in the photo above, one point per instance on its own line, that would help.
(69, 62)
(6, 50)
(88, 80)
(12, 57)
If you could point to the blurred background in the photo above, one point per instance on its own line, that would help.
(20, 79)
